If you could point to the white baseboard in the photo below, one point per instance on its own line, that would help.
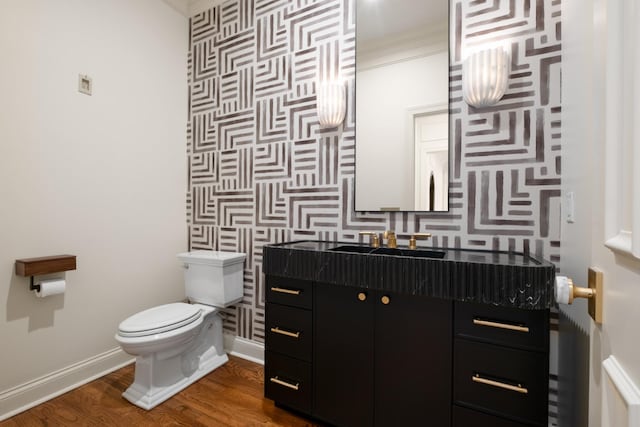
(32, 393)
(244, 348)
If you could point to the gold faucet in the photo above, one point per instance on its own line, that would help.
(414, 236)
(374, 241)
(391, 237)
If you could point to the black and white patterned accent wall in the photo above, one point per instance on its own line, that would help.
(262, 171)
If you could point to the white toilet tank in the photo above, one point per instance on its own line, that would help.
(212, 277)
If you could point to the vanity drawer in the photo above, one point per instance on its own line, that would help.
(288, 331)
(502, 380)
(501, 325)
(287, 381)
(463, 417)
(293, 292)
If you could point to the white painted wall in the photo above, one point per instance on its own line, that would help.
(579, 124)
(581, 132)
(384, 155)
(102, 177)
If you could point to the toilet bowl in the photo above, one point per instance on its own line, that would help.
(176, 344)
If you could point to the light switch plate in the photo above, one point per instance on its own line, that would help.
(570, 207)
(85, 84)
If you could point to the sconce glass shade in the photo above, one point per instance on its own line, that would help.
(484, 77)
(331, 103)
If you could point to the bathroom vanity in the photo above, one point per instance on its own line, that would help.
(357, 336)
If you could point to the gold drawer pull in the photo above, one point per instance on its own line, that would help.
(287, 333)
(518, 388)
(286, 291)
(277, 380)
(500, 325)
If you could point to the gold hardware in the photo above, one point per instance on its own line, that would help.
(362, 296)
(578, 292)
(593, 292)
(595, 303)
(391, 237)
(277, 330)
(286, 291)
(374, 240)
(385, 300)
(277, 380)
(500, 325)
(414, 236)
(478, 379)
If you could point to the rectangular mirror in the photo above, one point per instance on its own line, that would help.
(402, 105)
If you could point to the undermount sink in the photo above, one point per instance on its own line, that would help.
(354, 249)
(414, 253)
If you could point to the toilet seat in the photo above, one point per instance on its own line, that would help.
(156, 320)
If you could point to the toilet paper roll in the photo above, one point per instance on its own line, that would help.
(51, 287)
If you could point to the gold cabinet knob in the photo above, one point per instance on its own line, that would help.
(362, 296)
(385, 300)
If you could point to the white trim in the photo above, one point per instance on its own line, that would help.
(626, 389)
(620, 243)
(32, 393)
(244, 348)
(366, 63)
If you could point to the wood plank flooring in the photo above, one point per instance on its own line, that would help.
(232, 395)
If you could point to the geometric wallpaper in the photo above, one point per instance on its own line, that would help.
(260, 169)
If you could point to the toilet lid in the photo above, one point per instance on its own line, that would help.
(159, 319)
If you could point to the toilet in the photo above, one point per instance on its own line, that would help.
(177, 344)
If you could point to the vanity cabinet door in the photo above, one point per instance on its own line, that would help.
(413, 352)
(343, 355)
(381, 359)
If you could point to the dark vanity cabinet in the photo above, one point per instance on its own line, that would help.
(357, 339)
(358, 357)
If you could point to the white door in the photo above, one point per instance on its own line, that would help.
(431, 141)
(601, 169)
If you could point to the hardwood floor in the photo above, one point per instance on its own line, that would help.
(232, 395)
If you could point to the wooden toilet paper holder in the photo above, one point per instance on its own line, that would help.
(44, 265)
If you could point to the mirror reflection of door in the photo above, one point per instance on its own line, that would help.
(431, 143)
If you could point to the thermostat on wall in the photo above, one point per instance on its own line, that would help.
(84, 84)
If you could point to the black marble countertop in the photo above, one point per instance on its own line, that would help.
(508, 279)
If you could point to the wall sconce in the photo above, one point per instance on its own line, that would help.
(330, 103)
(484, 77)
